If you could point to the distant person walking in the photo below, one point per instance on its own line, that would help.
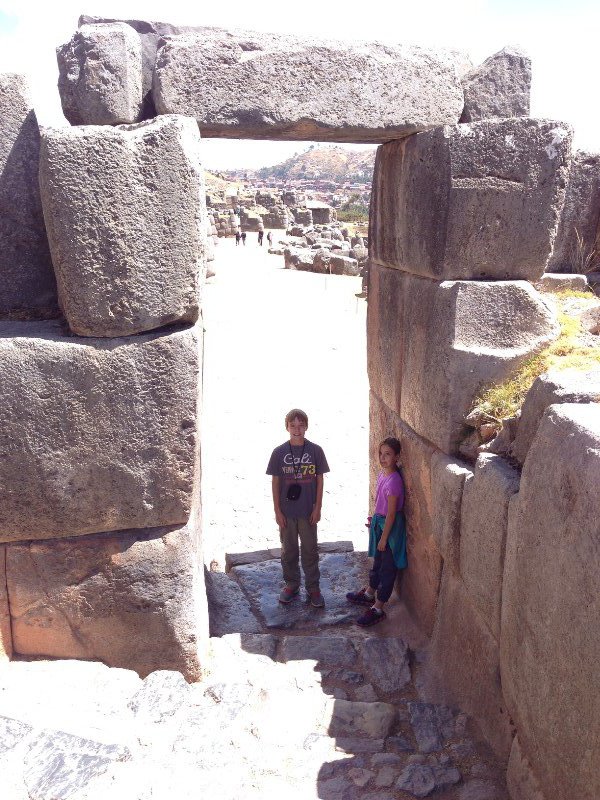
(238, 236)
(270, 239)
(260, 236)
(244, 238)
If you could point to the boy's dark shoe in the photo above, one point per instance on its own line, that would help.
(360, 597)
(287, 594)
(316, 599)
(370, 617)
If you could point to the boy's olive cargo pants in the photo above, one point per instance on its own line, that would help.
(308, 553)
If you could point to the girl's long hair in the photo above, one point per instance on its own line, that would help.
(396, 447)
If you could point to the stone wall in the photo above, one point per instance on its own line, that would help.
(502, 565)
(100, 545)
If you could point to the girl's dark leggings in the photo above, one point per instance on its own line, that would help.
(383, 575)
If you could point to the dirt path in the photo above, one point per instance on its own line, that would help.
(277, 339)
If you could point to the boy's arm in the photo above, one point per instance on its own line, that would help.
(279, 515)
(316, 512)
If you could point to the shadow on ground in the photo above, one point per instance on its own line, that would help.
(361, 732)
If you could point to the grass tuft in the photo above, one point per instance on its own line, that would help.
(566, 352)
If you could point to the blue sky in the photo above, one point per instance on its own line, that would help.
(561, 38)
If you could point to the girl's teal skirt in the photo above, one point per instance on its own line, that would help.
(396, 539)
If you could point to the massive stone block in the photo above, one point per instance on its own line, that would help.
(550, 647)
(458, 337)
(151, 38)
(448, 479)
(27, 283)
(262, 86)
(100, 75)
(126, 219)
(421, 581)
(483, 529)
(5, 631)
(575, 247)
(471, 201)
(556, 386)
(500, 87)
(386, 334)
(520, 780)
(96, 435)
(463, 666)
(131, 599)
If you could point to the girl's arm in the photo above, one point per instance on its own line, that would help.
(392, 505)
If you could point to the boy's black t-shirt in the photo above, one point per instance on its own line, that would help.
(309, 461)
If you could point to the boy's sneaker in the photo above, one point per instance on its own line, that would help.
(371, 617)
(287, 594)
(316, 599)
(360, 597)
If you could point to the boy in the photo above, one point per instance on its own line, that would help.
(297, 468)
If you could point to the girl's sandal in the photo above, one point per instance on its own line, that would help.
(370, 617)
(360, 597)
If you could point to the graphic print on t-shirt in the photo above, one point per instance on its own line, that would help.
(308, 462)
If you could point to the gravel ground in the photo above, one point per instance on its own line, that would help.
(276, 339)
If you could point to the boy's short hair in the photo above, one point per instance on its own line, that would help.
(296, 413)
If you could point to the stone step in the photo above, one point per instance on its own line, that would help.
(238, 559)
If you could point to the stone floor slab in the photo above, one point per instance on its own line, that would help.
(262, 583)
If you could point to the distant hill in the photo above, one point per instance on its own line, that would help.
(330, 162)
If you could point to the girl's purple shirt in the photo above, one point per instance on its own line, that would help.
(388, 485)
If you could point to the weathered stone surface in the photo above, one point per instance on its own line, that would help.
(109, 440)
(151, 35)
(550, 604)
(225, 80)
(420, 582)
(354, 744)
(558, 281)
(575, 246)
(160, 696)
(367, 719)
(262, 583)
(228, 608)
(299, 258)
(386, 334)
(481, 790)
(58, 764)
(484, 522)
(556, 386)
(500, 87)
(132, 599)
(398, 744)
(327, 650)
(5, 631)
(448, 478)
(432, 725)
(126, 220)
(416, 779)
(463, 668)
(327, 262)
(460, 336)
(386, 663)
(470, 201)
(100, 75)
(27, 283)
(520, 780)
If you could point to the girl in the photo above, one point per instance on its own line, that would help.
(387, 536)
